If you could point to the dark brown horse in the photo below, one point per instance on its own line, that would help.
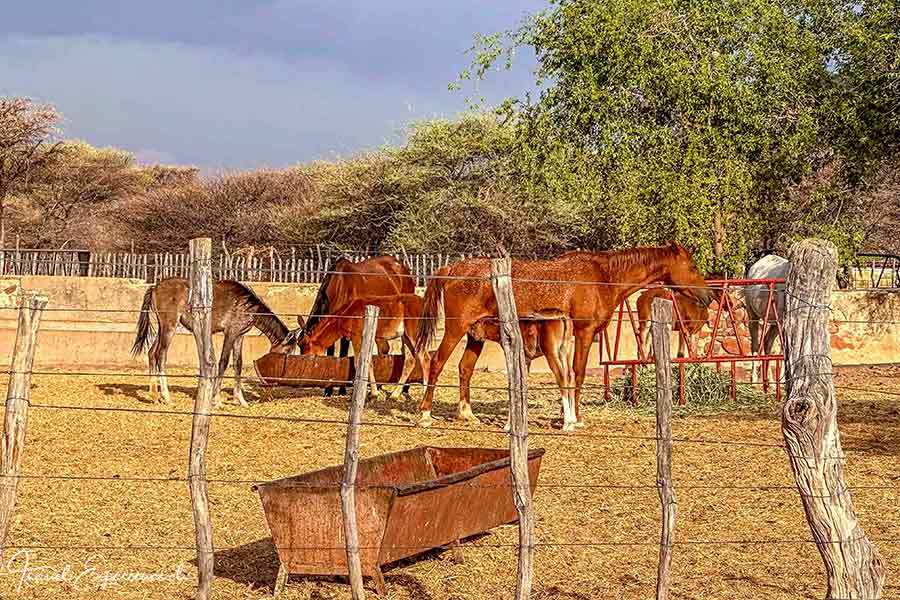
(347, 281)
(691, 316)
(235, 310)
(398, 318)
(585, 286)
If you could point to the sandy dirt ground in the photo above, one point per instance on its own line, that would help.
(741, 530)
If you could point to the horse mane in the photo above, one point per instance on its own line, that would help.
(322, 305)
(646, 256)
(263, 318)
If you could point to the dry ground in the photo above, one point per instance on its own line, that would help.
(146, 526)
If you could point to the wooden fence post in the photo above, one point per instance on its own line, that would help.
(200, 302)
(661, 327)
(18, 393)
(351, 454)
(809, 424)
(513, 349)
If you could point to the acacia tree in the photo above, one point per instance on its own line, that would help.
(691, 120)
(25, 130)
(67, 191)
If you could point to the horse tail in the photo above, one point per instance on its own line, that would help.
(434, 294)
(144, 324)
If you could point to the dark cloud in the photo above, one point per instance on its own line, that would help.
(241, 83)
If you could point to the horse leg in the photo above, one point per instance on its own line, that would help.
(238, 352)
(227, 349)
(153, 364)
(329, 390)
(453, 332)
(165, 340)
(344, 351)
(769, 343)
(408, 366)
(554, 347)
(753, 330)
(466, 368)
(681, 344)
(583, 340)
(383, 347)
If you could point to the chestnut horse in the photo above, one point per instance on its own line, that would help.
(547, 334)
(692, 316)
(398, 318)
(585, 286)
(346, 281)
(235, 310)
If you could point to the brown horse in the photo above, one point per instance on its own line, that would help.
(548, 336)
(691, 316)
(348, 281)
(398, 318)
(585, 286)
(235, 310)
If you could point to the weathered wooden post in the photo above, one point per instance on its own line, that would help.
(661, 328)
(18, 393)
(351, 454)
(200, 302)
(513, 349)
(809, 423)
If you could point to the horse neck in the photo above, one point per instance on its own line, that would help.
(325, 332)
(636, 277)
(271, 326)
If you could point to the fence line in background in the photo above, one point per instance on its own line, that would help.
(309, 264)
(299, 265)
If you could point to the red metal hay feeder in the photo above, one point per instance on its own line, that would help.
(406, 503)
(274, 369)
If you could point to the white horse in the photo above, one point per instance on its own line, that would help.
(756, 298)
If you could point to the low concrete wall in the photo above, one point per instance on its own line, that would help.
(90, 322)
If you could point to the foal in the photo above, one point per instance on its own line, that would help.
(692, 315)
(548, 333)
(398, 317)
(235, 310)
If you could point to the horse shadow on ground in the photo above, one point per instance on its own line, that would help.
(139, 392)
(255, 565)
(490, 406)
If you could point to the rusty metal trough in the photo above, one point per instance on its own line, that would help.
(406, 503)
(306, 370)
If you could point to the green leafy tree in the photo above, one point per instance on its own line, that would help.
(695, 120)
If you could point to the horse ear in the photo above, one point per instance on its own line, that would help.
(300, 321)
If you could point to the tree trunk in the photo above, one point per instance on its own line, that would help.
(718, 239)
(809, 424)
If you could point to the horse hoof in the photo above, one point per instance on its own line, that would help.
(425, 420)
(507, 427)
(580, 424)
(569, 426)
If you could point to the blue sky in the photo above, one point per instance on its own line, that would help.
(250, 83)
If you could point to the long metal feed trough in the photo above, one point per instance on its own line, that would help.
(406, 503)
(306, 370)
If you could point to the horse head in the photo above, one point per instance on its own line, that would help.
(684, 275)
